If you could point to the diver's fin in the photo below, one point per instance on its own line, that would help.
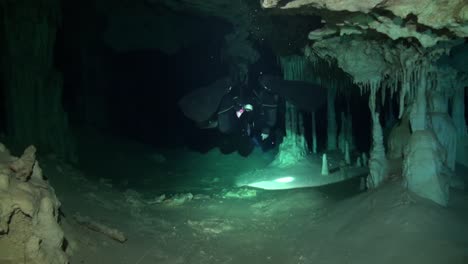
(209, 124)
(269, 104)
(202, 104)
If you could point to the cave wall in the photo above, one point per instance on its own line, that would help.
(32, 85)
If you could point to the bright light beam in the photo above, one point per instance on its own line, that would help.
(284, 179)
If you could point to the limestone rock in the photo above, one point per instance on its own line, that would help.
(29, 211)
(3, 149)
(430, 16)
(23, 166)
(4, 181)
(366, 61)
(396, 29)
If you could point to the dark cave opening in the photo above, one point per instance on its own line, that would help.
(134, 93)
(3, 102)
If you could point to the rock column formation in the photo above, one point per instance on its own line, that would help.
(33, 87)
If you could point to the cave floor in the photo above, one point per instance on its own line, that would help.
(222, 224)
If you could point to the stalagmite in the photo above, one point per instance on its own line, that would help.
(290, 151)
(378, 160)
(325, 170)
(347, 154)
(314, 134)
(362, 184)
(294, 146)
(364, 159)
(358, 162)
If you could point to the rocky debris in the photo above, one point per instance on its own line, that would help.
(240, 193)
(136, 199)
(201, 197)
(101, 228)
(178, 199)
(157, 200)
(29, 212)
(213, 226)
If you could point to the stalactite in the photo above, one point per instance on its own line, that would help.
(412, 78)
(404, 92)
(418, 114)
(331, 118)
(390, 118)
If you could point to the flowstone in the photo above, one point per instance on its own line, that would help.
(29, 211)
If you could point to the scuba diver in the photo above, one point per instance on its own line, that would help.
(248, 115)
(257, 116)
